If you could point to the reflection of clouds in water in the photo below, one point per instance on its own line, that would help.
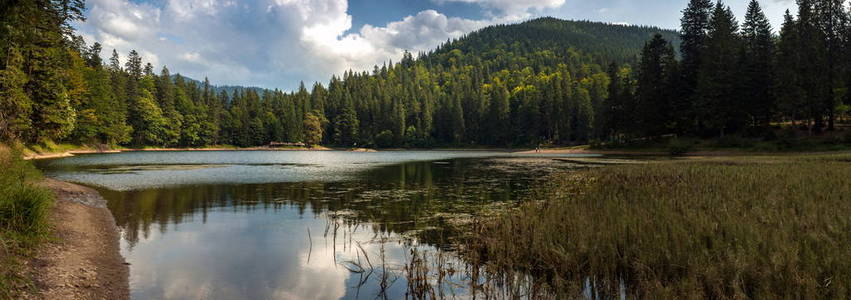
(237, 256)
(331, 283)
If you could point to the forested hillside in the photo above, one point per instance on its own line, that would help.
(544, 81)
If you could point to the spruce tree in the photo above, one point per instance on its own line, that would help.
(832, 20)
(693, 35)
(653, 94)
(812, 67)
(15, 104)
(719, 84)
(757, 66)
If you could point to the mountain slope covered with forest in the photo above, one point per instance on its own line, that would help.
(520, 84)
(604, 41)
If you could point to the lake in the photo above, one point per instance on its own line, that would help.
(300, 224)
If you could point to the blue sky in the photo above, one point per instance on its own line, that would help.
(278, 43)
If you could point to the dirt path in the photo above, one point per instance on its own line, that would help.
(84, 261)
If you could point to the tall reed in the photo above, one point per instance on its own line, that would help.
(752, 227)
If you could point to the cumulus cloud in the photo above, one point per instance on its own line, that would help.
(273, 43)
(420, 32)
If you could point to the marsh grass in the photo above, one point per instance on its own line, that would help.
(747, 227)
(24, 209)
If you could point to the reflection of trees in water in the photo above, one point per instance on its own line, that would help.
(422, 197)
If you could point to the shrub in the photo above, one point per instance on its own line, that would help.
(733, 141)
(384, 139)
(24, 209)
(679, 147)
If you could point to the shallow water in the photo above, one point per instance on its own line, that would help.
(297, 225)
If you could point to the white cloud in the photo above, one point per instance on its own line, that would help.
(274, 43)
(421, 32)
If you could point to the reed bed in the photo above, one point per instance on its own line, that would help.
(725, 228)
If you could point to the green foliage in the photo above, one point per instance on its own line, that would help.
(149, 122)
(15, 104)
(679, 147)
(312, 129)
(384, 139)
(24, 209)
(536, 82)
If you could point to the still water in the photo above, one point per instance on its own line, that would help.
(299, 225)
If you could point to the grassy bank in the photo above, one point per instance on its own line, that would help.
(728, 227)
(24, 208)
(776, 141)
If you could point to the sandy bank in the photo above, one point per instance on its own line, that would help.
(84, 260)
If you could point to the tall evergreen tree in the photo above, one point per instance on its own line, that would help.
(788, 87)
(653, 95)
(832, 21)
(719, 84)
(812, 67)
(15, 104)
(693, 35)
(757, 66)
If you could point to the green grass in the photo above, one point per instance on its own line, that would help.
(749, 227)
(775, 141)
(24, 209)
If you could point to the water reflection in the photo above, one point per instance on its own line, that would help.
(364, 237)
(421, 197)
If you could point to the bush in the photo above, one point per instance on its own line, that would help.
(733, 141)
(678, 147)
(384, 139)
(23, 206)
(788, 138)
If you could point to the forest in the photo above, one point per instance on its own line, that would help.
(541, 82)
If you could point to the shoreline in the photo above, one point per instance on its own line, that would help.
(567, 150)
(83, 260)
(69, 153)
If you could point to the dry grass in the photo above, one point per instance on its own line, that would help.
(746, 227)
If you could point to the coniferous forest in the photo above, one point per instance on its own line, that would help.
(543, 81)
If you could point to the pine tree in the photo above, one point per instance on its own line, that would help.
(498, 114)
(693, 34)
(92, 56)
(15, 104)
(613, 109)
(758, 67)
(346, 125)
(719, 83)
(167, 101)
(788, 87)
(812, 67)
(653, 93)
(584, 118)
(53, 116)
(832, 20)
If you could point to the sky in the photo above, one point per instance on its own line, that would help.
(280, 43)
